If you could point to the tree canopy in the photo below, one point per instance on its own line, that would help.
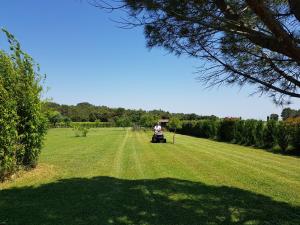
(252, 42)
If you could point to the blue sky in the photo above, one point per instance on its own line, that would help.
(88, 58)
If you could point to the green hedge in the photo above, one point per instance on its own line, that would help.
(246, 132)
(22, 124)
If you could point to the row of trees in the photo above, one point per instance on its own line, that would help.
(86, 112)
(290, 113)
(22, 123)
(247, 132)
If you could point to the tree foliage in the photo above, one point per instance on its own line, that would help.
(290, 113)
(269, 134)
(244, 42)
(22, 122)
(283, 135)
(90, 113)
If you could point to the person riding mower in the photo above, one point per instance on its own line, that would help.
(158, 136)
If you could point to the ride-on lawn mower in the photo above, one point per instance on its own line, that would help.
(158, 136)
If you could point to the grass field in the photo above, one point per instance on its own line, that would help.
(116, 176)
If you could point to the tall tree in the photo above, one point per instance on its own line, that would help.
(253, 42)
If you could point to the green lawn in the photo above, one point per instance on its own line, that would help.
(116, 176)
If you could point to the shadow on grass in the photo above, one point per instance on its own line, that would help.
(107, 200)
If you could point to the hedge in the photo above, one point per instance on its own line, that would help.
(247, 132)
(22, 124)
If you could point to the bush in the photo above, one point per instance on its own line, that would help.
(239, 131)
(296, 136)
(226, 129)
(201, 128)
(8, 133)
(123, 122)
(96, 124)
(22, 123)
(249, 132)
(269, 134)
(80, 131)
(283, 135)
(208, 129)
(259, 134)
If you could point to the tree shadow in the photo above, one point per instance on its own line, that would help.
(167, 201)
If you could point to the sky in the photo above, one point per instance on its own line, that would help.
(87, 58)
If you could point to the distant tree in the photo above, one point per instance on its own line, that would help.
(123, 122)
(174, 124)
(289, 113)
(148, 120)
(274, 117)
(54, 117)
(67, 121)
(246, 42)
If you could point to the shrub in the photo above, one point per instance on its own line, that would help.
(226, 129)
(80, 131)
(269, 134)
(202, 128)
(283, 135)
(147, 120)
(249, 132)
(96, 124)
(259, 134)
(296, 136)
(123, 122)
(187, 128)
(23, 125)
(208, 129)
(8, 134)
(238, 131)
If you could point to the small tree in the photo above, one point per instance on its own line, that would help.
(148, 120)
(174, 124)
(274, 117)
(54, 117)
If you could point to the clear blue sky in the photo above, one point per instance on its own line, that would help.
(88, 58)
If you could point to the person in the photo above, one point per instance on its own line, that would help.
(157, 128)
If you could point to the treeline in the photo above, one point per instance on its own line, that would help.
(285, 134)
(60, 115)
(290, 113)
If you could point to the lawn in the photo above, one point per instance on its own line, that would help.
(116, 176)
